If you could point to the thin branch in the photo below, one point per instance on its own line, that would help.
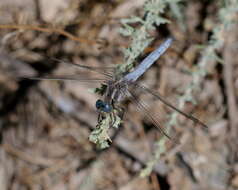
(230, 59)
(49, 30)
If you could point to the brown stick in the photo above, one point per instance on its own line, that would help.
(230, 54)
(48, 30)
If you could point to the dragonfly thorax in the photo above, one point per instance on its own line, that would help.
(116, 91)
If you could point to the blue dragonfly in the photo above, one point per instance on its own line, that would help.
(118, 87)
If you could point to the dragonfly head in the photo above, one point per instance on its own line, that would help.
(102, 106)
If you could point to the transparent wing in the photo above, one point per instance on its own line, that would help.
(64, 78)
(106, 71)
(144, 110)
(81, 77)
(164, 101)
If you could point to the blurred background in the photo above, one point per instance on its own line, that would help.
(45, 125)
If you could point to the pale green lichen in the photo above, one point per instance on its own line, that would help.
(100, 135)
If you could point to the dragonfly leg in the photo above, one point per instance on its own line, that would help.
(99, 117)
(112, 118)
(117, 114)
(120, 111)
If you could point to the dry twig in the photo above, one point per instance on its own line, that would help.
(48, 30)
(230, 59)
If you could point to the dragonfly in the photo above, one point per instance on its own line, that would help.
(118, 87)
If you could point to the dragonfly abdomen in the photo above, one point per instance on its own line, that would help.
(148, 61)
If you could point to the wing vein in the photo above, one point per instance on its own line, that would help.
(141, 106)
(64, 78)
(94, 69)
(158, 96)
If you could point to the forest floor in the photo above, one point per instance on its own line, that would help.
(45, 125)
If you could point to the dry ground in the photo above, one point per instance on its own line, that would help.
(45, 125)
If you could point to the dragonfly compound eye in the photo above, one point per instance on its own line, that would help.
(99, 104)
(102, 106)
